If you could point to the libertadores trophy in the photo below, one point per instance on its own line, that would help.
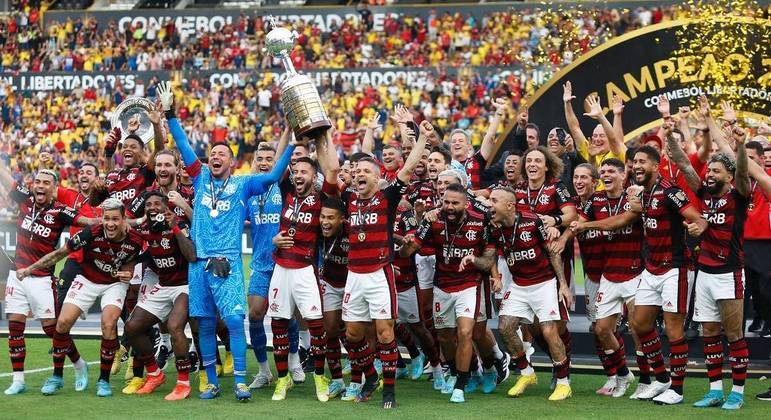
(299, 97)
(134, 110)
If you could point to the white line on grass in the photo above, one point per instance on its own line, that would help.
(5, 375)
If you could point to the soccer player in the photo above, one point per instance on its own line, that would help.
(333, 271)
(110, 251)
(85, 201)
(165, 299)
(410, 320)
(294, 284)
(538, 290)
(216, 279)
(461, 148)
(719, 291)
(664, 285)
(38, 228)
(369, 292)
(264, 216)
(453, 236)
(616, 275)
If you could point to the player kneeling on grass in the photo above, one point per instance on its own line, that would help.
(169, 250)
(110, 253)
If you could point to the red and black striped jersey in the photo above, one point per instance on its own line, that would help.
(125, 184)
(721, 246)
(164, 256)
(523, 245)
(622, 251)
(406, 223)
(370, 227)
(662, 217)
(451, 241)
(38, 229)
(474, 167)
(333, 259)
(137, 207)
(300, 219)
(79, 202)
(102, 257)
(591, 243)
(549, 199)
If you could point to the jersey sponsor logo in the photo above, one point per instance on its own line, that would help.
(626, 230)
(593, 234)
(715, 219)
(456, 252)
(221, 205)
(168, 262)
(267, 219)
(107, 268)
(365, 219)
(524, 255)
(35, 229)
(651, 223)
(302, 216)
(124, 195)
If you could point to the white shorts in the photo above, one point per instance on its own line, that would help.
(34, 295)
(332, 296)
(83, 293)
(590, 298)
(612, 296)
(292, 288)
(670, 291)
(149, 279)
(139, 272)
(506, 279)
(711, 288)
(159, 300)
(448, 306)
(527, 302)
(408, 307)
(426, 266)
(370, 296)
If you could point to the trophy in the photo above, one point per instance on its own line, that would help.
(134, 108)
(299, 97)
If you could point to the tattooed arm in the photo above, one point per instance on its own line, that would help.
(48, 260)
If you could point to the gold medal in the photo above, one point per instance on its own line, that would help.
(362, 236)
(291, 232)
(751, 207)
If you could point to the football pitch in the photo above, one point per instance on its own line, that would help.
(416, 399)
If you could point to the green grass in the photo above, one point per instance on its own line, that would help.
(416, 400)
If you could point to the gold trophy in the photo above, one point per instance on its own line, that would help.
(299, 97)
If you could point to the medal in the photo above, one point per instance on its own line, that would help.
(751, 207)
(214, 213)
(291, 232)
(215, 195)
(447, 260)
(362, 236)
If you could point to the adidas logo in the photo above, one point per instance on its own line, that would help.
(383, 311)
(466, 310)
(314, 308)
(668, 304)
(553, 312)
(48, 311)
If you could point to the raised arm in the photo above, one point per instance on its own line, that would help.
(488, 142)
(368, 142)
(615, 143)
(257, 184)
(325, 152)
(680, 158)
(573, 126)
(618, 113)
(5, 177)
(404, 175)
(761, 177)
(714, 130)
(166, 97)
(741, 177)
(159, 133)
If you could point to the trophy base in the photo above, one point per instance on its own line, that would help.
(313, 130)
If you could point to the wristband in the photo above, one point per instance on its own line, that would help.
(176, 230)
(170, 114)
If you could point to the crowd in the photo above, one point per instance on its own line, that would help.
(502, 38)
(422, 234)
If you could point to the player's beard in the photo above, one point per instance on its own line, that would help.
(716, 188)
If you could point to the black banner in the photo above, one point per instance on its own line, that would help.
(648, 62)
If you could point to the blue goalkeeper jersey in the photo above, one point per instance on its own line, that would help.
(218, 233)
(264, 216)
